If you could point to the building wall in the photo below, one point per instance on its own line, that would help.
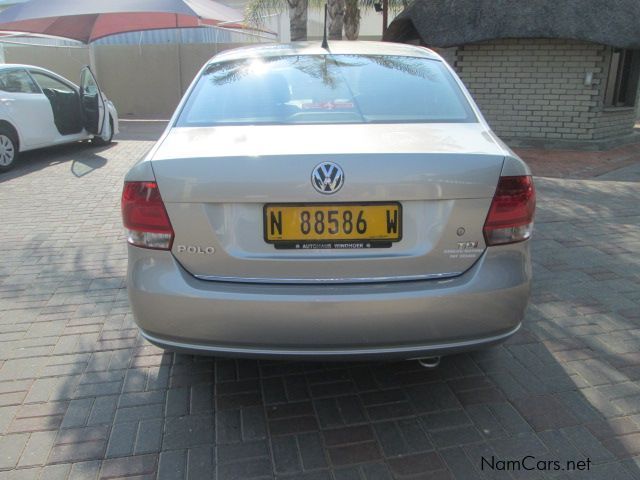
(615, 122)
(141, 80)
(535, 89)
(64, 61)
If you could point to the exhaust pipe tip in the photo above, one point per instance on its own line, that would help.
(429, 362)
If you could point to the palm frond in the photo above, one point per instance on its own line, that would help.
(257, 10)
(408, 65)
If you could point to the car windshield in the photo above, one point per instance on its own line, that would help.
(313, 89)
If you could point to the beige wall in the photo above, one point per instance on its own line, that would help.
(64, 61)
(141, 80)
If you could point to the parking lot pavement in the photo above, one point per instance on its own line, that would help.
(83, 396)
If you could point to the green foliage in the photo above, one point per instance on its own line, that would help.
(257, 10)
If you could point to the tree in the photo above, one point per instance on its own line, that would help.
(257, 10)
(351, 20)
(336, 18)
(342, 14)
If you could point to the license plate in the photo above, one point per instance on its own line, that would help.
(340, 225)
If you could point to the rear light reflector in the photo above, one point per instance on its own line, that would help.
(145, 217)
(510, 217)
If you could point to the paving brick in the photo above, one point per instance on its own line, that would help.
(103, 410)
(122, 439)
(200, 462)
(339, 411)
(354, 453)
(274, 390)
(77, 413)
(287, 426)
(431, 397)
(11, 447)
(201, 399)
(402, 437)
(545, 412)
(260, 467)
(129, 466)
(254, 424)
(322, 475)
(185, 432)
(177, 402)
(132, 414)
(624, 446)
(85, 470)
(587, 444)
(36, 451)
(55, 472)
(420, 463)
(141, 398)
(77, 452)
(459, 464)
(228, 426)
(285, 454)
(486, 421)
(149, 436)
(346, 435)
(445, 419)
(455, 436)
(311, 451)
(172, 464)
(228, 453)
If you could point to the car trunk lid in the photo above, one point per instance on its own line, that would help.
(215, 182)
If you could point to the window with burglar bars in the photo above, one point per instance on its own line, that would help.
(622, 79)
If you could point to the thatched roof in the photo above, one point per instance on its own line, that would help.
(446, 23)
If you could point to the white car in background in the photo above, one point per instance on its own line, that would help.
(39, 108)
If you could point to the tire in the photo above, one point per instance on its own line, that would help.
(99, 141)
(8, 149)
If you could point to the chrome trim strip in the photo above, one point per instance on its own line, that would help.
(307, 281)
(418, 350)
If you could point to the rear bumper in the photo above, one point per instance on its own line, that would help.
(483, 306)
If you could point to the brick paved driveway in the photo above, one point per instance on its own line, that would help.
(82, 396)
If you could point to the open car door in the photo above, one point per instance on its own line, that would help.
(93, 108)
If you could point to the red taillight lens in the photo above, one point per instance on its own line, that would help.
(511, 213)
(145, 217)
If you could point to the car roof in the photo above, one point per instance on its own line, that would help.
(6, 66)
(335, 47)
(9, 66)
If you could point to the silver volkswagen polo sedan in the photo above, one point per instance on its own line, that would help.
(342, 203)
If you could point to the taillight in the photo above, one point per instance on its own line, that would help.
(510, 217)
(145, 217)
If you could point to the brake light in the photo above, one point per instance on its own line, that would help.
(145, 217)
(510, 217)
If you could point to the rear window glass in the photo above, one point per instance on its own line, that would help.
(310, 89)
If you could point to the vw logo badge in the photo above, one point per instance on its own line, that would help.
(327, 178)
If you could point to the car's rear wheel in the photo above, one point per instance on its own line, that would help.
(8, 149)
(104, 139)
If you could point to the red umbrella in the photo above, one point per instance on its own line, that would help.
(89, 20)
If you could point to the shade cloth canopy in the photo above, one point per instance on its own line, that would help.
(89, 20)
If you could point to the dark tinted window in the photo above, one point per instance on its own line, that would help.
(622, 80)
(47, 81)
(325, 89)
(17, 81)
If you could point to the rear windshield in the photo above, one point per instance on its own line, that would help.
(313, 89)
